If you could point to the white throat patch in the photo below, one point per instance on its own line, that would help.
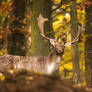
(51, 67)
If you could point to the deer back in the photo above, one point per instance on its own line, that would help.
(34, 63)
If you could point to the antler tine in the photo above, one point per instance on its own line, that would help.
(58, 38)
(76, 38)
(61, 36)
(41, 20)
(65, 37)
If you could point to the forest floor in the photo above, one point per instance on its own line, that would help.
(24, 81)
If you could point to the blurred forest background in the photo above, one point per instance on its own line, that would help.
(19, 33)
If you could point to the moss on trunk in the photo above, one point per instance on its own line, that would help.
(75, 51)
(40, 46)
(88, 45)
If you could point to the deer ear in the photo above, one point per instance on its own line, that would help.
(53, 42)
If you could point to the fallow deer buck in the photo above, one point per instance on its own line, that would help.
(45, 65)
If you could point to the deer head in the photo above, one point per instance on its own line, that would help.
(59, 46)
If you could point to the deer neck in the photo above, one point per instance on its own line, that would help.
(54, 61)
(54, 56)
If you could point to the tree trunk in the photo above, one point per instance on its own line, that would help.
(17, 40)
(75, 52)
(88, 45)
(40, 46)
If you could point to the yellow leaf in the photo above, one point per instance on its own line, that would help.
(30, 78)
(2, 77)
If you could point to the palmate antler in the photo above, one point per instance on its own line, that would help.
(41, 20)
